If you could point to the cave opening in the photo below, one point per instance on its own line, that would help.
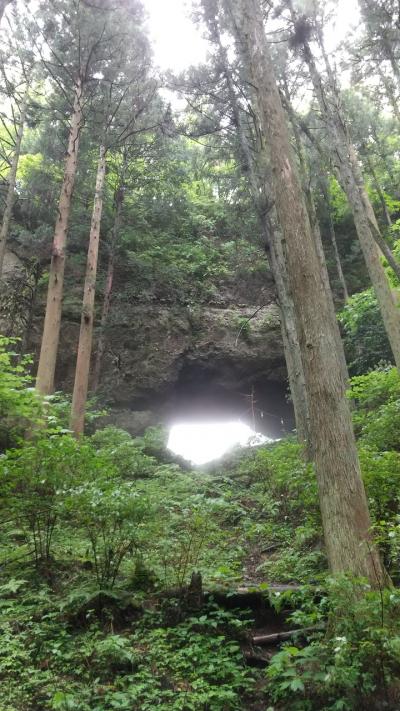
(213, 408)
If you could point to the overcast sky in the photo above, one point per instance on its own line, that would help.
(177, 43)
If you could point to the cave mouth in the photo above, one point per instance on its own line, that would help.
(212, 409)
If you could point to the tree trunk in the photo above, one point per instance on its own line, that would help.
(343, 502)
(332, 235)
(369, 210)
(107, 293)
(345, 166)
(5, 226)
(273, 243)
(379, 191)
(52, 321)
(81, 383)
(312, 214)
(290, 338)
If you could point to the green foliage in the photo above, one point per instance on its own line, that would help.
(125, 452)
(96, 531)
(377, 416)
(353, 664)
(20, 406)
(243, 328)
(34, 481)
(111, 514)
(365, 340)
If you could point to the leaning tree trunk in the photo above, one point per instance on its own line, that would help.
(379, 191)
(5, 226)
(369, 211)
(52, 321)
(332, 235)
(101, 343)
(343, 501)
(81, 383)
(312, 214)
(345, 166)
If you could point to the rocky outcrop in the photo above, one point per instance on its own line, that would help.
(166, 360)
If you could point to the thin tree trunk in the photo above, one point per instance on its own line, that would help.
(81, 383)
(101, 343)
(5, 226)
(383, 155)
(343, 502)
(379, 191)
(52, 321)
(107, 294)
(332, 235)
(369, 210)
(345, 166)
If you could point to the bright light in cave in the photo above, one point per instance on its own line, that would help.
(202, 442)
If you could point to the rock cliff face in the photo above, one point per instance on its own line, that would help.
(166, 362)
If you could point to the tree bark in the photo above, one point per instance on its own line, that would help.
(345, 166)
(332, 235)
(339, 269)
(312, 213)
(343, 501)
(294, 363)
(101, 343)
(52, 321)
(5, 226)
(81, 383)
(273, 241)
(373, 223)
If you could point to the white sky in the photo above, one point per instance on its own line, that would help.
(177, 43)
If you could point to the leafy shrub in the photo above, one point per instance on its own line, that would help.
(125, 452)
(354, 665)
(282, 473)
(20, 406)
(110, 513)
(33, 479)
(186, 667)
(377, 415)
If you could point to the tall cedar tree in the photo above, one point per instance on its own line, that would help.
(344, 508)
(12, 178)
(18, 77)
(254, 166)
(125, 93)
(349, 175)
(79, 43)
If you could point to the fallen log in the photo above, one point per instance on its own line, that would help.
(282, 636)
(255, 588)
